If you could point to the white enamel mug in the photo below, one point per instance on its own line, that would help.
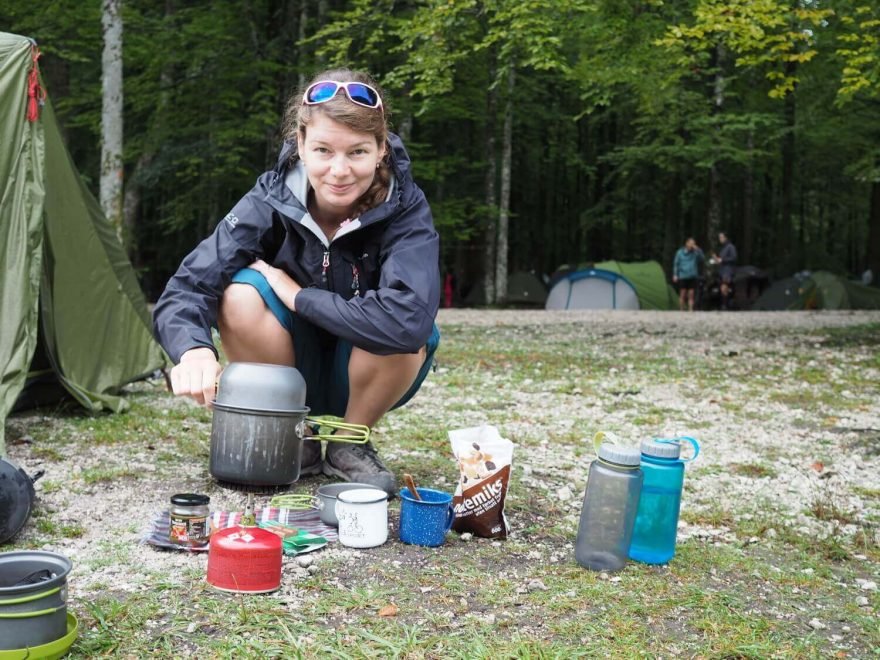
(363, 517)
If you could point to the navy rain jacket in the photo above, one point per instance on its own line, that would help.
(377, 284)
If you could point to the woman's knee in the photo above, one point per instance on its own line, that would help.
(240, 306)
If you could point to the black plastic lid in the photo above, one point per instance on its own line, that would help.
(190, 499)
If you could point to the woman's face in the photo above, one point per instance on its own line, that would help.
(340, 163)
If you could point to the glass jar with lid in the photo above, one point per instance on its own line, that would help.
(189, 519)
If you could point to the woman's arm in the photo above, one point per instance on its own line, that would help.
(399, 315)
(284, 286)
(187, 309)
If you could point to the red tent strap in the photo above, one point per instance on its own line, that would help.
(36, 94)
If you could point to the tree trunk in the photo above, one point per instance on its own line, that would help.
(873, 255)
(713, 218)
(504, 201)
(322, 20)
(671, 232)
(748, 206)
(303, 54)
(786, 233)
(111, 113)
(131, 205)
(404, 129)
(490, 200)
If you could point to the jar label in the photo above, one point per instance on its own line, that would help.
(191, 530)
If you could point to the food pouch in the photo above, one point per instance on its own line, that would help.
(484, 462)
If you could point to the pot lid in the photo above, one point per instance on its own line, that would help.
(257, 386)
(244, 410)
(16, 499)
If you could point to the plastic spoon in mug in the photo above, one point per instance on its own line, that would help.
(408, 480)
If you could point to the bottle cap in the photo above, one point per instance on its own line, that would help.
(619, 455)
(190, 499)
(659, 449)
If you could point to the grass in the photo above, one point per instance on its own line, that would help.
(104, 473)
(824, 507)
(745, 588)
(753, 470)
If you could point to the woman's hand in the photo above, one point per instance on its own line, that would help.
(196, 375)
(284, 286)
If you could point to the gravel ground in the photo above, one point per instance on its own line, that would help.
(784, 405)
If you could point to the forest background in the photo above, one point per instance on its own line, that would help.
(544, 132)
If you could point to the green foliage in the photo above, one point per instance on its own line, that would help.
(758, 32)
(859, 47)
(632, 119)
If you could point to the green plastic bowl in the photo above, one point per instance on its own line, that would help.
(49, 651)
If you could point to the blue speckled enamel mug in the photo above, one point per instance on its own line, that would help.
(425, 522)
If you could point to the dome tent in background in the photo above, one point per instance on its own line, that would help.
(645, 278)
(592, 288)
(73, 314)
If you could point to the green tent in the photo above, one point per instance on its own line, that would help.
(649, 281)
(824, 290)
(67, 281)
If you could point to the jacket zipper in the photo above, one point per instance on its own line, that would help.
(325, 265)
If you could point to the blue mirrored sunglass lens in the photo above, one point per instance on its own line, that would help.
(362, 94)
(322, 92)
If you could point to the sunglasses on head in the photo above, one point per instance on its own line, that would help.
(358, 93)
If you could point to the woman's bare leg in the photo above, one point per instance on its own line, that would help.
(249, 331)
(377, 382)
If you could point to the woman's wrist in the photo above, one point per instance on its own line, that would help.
(283, 286)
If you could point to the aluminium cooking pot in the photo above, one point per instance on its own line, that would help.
(259, 425)
(33, 600)
(16, 498)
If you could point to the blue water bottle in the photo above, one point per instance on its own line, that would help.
(653, 540)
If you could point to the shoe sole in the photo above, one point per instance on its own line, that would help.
(331, 471)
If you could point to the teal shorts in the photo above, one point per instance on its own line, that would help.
(321, 357)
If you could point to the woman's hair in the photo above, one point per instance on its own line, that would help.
(298, 116)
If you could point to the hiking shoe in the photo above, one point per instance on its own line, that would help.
(310, 458)
(358, 463)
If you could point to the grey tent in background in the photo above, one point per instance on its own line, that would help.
(524, 289)
(592, 288)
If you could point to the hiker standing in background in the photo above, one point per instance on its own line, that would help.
(330, 264)
(686, 272)
(726, 267)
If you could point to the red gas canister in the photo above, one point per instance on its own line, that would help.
(245, 560)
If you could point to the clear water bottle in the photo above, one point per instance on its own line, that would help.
(653, 540)
(609, 510)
